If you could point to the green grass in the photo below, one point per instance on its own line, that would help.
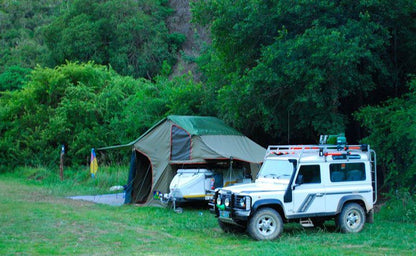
(37, 219)
(77, 180)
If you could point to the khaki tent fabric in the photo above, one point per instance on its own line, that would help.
(237, 147)
(185, 140)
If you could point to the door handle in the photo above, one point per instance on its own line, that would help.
(320, 194)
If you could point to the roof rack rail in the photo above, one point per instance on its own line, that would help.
(322, 150)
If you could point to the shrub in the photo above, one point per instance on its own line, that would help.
(400, 207)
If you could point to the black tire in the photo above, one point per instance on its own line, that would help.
(351, 219)
(230, 228)
(265, 224)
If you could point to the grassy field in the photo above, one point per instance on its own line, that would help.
(37, 219)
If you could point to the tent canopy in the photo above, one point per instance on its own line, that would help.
(183, 140)
(203, 125)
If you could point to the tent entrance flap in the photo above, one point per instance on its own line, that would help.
(142, 182)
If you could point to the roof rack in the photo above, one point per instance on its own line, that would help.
(322, 150)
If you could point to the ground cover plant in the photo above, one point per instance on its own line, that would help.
(37, 219)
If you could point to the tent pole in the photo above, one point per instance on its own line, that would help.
(231, 167)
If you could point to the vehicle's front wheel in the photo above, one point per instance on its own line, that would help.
(265, 224)
(351, 219)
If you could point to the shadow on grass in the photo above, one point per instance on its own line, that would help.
(189, 206)
(296, 229)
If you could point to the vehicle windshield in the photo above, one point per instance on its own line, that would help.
(276, 169)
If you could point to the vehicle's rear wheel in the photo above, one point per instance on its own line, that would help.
(230, 228)
(351, 219)
(265, 224)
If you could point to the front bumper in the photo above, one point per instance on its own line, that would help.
(229, 214)
(235, 214)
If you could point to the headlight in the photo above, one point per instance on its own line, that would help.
(227, 202)
(242, 202)
(219, 200)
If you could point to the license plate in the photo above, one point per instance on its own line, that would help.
(224, 214)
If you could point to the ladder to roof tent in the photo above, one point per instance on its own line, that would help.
(373, 161)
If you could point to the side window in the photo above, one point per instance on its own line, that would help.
(309, 174)
(347, 172)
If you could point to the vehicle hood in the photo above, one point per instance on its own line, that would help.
(255, 187)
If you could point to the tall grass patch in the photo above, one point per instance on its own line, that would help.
(76, 180)
(401, 207)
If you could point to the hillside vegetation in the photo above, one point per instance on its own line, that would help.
(91, 73)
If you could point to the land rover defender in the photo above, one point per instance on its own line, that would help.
(309, 184)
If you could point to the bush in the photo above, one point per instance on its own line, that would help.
(84, 106)
(401, 207)
(72, 105)
(392, 133)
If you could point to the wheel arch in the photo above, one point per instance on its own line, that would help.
(270, 203)
(352, 199)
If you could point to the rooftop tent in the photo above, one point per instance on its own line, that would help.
(180, 141)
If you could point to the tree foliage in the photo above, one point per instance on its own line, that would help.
(83, 106)
(279, 71)
(14, 77)
(21, 40)
(294, 68)
(287, 71)
(392, 133)
(131, 35)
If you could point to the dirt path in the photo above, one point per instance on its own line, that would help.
(110, 199)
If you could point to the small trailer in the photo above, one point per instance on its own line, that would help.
(200, 184)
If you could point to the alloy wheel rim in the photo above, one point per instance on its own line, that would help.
(353, 219)
(266, 225)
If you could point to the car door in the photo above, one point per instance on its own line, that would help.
(309, 191)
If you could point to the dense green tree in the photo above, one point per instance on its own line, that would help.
(50, 110)
(392, 133)
(14, 77)
(83, 106)
(301, 68)
(165, 96)
(131, 36)
(21, 42)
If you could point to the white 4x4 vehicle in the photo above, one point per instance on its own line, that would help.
(309, 184)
